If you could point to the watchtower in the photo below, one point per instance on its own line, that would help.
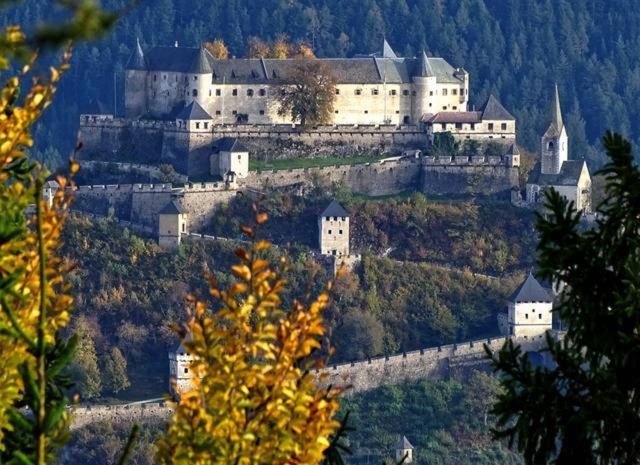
(404, 449)
(529, 313)
(180, 374)
(172, 223)
(333, 226)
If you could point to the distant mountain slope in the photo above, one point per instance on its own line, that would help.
(514, 48)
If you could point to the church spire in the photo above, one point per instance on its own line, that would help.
(557, 112)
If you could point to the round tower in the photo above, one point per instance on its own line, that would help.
(199, 80)
(424, 84)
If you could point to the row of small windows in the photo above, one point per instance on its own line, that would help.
(234, 92)
(405, 92)
(339, 231)
(472, 126)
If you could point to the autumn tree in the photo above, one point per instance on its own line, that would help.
(308, 93)
(257, 48)
(84, 367)
(217, 49)
(584, 407)
(281, 48)
(255, 399)
(115, 371)
(34, 296)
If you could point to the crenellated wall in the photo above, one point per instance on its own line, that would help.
(155, 412)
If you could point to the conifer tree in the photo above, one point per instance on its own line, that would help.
(584, 409)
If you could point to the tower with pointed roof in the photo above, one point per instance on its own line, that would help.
(199, 78)
(333, 226)
(555, 141)
(529, 310)
(136, 84)
(172, 225)
(425, 86)
(404, 451)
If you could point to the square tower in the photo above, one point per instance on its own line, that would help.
(404, 451)
(333, 226)
(529, 313)
(180, 372)
(172, 223)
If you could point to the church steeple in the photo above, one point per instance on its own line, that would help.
(557, 113)
(554, 148)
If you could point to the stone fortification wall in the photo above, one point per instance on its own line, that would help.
(485, 175)
(420, 364)
(121, 414)
(201, 200)
(151, 140)
(380, 178)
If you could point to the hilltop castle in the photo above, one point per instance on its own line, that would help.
(378, 89)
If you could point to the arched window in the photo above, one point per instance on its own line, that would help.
(194, 92)
(550, 145)
(263, 92)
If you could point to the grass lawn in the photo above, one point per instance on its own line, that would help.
(259, 165)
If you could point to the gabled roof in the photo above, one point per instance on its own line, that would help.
(404, 444)
(334, 209)
(453, 117)
(513, 150)
(530, 291)
(493, 110)
(569, 174)
(193, 111)
(172, 208)
(137, 60)
(230, 144)
(387, 51)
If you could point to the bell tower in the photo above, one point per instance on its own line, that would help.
(554, 150)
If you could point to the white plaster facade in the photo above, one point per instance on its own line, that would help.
(172, 225)
(180, 371)
(333, 226)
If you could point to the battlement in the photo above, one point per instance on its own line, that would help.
(467, 160)
(119, 414)
(165, 187)
(418, 364)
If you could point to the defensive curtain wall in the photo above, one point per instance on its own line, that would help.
(107, 138)
(434, 363)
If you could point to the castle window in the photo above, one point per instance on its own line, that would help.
(184, 227)
(194, 92)
(218, 92)
(366, 112)
(444, 126)
(405, 92)
(234, 92)
(397, 112)
(374, 91)
(454, 91)
(526, 315)
(540, 316)
(195, 78)
(431, 93)
(444, 107)
(234, 112)
(262, 112)
(454, 107)
(262, 92)
(458, 125)
(329, 231)
(239, 157)
(340, 231)
(550, 145)
(197, 125)
(504, 126)
(473, 126)
(430, 104)
(392, 92)
(218, 112)
(490, 126)
(336, 112)
(358, 91)
(249, 92)
(164, 76)
(209, 92)
(206, 125)
(337, 91)
(407, 120)
(155, 77)
(445, 92)
(186, 370)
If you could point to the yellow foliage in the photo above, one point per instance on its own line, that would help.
(218, 49)
(254, 400)
(20, 246)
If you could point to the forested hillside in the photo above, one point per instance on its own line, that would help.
(516, 49)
